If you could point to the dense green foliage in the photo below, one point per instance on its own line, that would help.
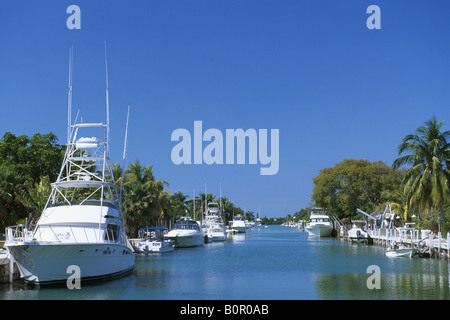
(34, 157)
(26, 166)
(353, 184)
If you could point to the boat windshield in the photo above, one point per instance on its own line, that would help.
(105, 203)
(320, 220)
(187, 225)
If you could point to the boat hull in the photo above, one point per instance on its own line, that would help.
(187, 241)
(154, 246)
(49, 263)
(319, 230)
(358, 240)
(357, 235)
(240, 229)
(218, 237)
(400, 253)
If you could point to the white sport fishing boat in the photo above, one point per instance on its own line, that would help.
(213, 225)
(319, 224)
(81, 224)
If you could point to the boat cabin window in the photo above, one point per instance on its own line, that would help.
(320, 220)
(112, 232)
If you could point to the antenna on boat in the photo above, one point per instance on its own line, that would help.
(107, 104)
(220, 200)
(206, 201)
(69, 97)
(124, 155)
(76, 117)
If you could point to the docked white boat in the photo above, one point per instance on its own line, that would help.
(186, 233)
(401, 253)
(151, 239)
(357, 233)
(213, 226)
(319, 224)
(238, 224)
(81, 224)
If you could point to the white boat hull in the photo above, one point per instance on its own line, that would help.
(219, 237)
(357, 235)
(154, 246)
(48, 263)
(240, 229)
(215, 234)
(399, 253)
(319, 230)
(187, 240)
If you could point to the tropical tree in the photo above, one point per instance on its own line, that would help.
(428, 177)
(35, 197)
(176, 205)
(228, 207)
(12, 196)
(353, 184)
(35, 156)
(144, 198)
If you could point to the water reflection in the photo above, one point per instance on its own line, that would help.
(424, 279)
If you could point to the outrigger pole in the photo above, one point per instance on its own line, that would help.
(69, 97)
(124, 156)
(107, 104)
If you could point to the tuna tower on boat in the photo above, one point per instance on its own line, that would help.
(82, 222)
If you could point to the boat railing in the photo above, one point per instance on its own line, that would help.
(19, 233)
(62, 234)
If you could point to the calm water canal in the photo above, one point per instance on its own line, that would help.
(276, 263)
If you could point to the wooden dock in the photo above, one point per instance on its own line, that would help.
(8, 268)
(426, 243)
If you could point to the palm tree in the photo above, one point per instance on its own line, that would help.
(176, 205)
(36, 196)
(427, 180)
(12, 196)
(144, 197)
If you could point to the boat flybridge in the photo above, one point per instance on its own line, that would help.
(213, 225)
(81, 224)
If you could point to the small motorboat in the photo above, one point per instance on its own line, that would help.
(401, 253)
(357, 233)
(152, 240)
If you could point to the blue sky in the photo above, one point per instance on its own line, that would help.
(310, 68)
